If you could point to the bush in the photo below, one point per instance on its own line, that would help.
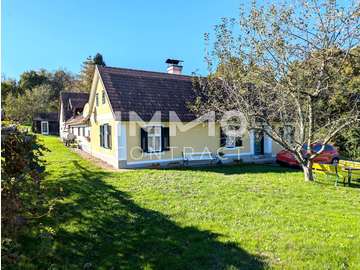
(22, 170)
(348, 143)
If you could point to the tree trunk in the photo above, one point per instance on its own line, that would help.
(308, 173)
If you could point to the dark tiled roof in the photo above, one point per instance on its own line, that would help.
(77, 100)
(51, 116)
(146, 92)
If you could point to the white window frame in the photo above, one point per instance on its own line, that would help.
(47, 127)
(230, 141)
(152, 138)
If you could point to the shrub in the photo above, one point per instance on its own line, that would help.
(22, 170)
(348, 143)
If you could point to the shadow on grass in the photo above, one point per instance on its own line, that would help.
(240, 169)
(100, 227)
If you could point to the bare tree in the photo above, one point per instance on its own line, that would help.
(283, 66)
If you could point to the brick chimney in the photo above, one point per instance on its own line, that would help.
(174, 66)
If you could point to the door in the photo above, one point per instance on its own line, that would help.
(44, 127)
(259, 143)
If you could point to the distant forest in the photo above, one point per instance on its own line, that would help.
(39, 90)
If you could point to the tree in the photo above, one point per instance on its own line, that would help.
(32, 78)
(9, 87)
(24, 107)
(281, 68)
(88, 69)
(348, 143)
(98, 60)
(62, 80)
(348, 140)
(21, 170)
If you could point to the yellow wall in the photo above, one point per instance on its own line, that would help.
(102, 114)
(196, 137)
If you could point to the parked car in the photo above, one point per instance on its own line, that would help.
(329, 155)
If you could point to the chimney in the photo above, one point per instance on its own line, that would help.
(174, 66)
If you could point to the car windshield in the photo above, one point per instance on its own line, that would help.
(317, 147)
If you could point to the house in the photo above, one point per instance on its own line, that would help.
(46, 123)
(71, 106)
(137, 118)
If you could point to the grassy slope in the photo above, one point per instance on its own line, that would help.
(246, 217)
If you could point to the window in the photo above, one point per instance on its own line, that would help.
(44, 127)
(105, 136)
(329, 148)
(154, 139)
(83, 131)
(103, 97)
(230, 141)
(78, 131)
(97, 99)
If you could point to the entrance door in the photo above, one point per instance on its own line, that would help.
(45, 127)
(259, 143)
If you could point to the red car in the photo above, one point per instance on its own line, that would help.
(329, 155)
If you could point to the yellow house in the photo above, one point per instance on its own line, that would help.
(138, 118)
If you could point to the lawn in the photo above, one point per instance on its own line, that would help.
(238, 217)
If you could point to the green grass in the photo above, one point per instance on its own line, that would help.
(240, 217)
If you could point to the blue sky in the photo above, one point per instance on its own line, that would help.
(138, 34)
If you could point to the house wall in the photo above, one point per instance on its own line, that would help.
(276, 148)
(82, 138)
(62, 121)
(102, 114)
(52, 125)
(126, 148)
(196, 139)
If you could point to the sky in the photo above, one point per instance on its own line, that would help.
(139, 34)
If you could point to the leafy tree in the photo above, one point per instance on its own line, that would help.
(282, 69)
(98, 60)
(32, 78)
(21, 169)
(24, 107)
(88, 69)
(62, 80)
(9, 87)
(348, 142)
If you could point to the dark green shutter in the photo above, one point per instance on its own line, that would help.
(165, 139)
(238, 142)
(109, 136)
(222, 138)
(102, 136)
(144, 140)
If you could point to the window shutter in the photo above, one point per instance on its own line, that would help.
(102, 136)
(144, 140)
(165, 139)
(222, 138)
(109, 136)
(103, 97)
(238, 141)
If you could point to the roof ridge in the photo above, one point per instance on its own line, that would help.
(175, 76)
(68, 92)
